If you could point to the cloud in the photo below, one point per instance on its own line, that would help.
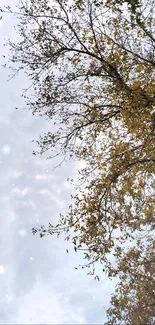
(54, 309)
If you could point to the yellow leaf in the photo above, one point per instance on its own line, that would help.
(139, 68)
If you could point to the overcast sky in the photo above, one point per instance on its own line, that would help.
(38, 282)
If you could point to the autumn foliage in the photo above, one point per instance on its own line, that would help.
(92, 67)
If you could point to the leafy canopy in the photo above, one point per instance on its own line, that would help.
(134, 300)
(92, 65)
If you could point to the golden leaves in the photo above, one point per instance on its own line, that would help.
(139, 68)
(136, 84)
(100, 96)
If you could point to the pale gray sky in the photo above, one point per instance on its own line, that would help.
(38, 282)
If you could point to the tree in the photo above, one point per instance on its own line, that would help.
(134, 300)
(92, 68)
